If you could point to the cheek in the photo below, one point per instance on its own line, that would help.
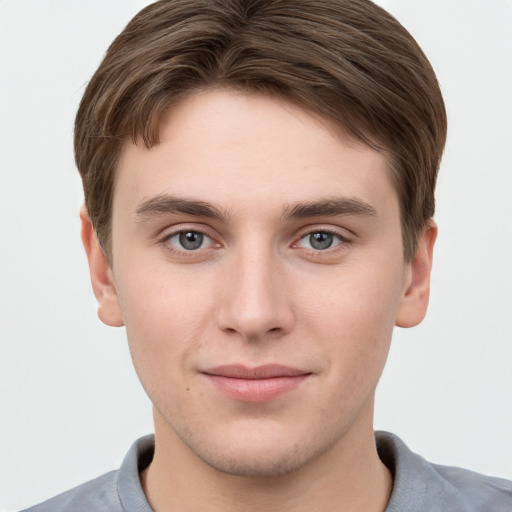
(165, 319)
(159, 300)
(355, 299)
(353, 322)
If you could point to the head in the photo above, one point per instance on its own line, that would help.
(348, 61)
(259, 192)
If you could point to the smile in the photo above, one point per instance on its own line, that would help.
(260, 384)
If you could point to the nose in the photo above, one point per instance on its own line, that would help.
(254, 301)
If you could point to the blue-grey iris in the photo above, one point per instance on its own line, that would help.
(191, 240)
(321, 240)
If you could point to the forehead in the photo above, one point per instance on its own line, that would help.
(232, 147)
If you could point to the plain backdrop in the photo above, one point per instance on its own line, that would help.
(70, 403)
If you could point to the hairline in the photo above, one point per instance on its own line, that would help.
(334, 126)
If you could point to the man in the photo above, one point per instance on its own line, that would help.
(259, 182)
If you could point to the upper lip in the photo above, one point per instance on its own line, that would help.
(268, 371)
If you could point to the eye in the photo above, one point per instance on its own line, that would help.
(320, 240)
(189, 240)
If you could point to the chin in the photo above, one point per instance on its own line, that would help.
(257, 464)
(261, 454)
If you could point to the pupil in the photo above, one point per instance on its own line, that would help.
(191, 240)
(320, 240)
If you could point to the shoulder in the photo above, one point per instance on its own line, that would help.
(99, 495)
(422, 486)
(116, 491)
(481, 491)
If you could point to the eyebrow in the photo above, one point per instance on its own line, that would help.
(165, 204)
(330, 207)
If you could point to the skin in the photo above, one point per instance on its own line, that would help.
(244, 170)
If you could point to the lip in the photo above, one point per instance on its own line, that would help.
(257, 384)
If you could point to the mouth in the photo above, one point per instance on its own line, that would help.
(258, 384)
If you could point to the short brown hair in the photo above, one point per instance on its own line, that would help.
(347, 60)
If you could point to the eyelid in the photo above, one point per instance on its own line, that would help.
(340, 240)
(180, 227)
(344, 234)
(204, 240)
(323, 255)
(168, 233)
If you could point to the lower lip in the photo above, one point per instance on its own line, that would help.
(256, 390)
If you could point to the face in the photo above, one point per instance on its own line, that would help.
(258, 267)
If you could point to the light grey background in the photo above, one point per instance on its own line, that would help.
(70, 404)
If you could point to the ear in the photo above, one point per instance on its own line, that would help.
(102, 278)
(414, 302)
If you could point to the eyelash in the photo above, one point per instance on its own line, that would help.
(343, 240)
(182, 252)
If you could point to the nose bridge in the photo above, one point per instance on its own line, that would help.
(254, 300)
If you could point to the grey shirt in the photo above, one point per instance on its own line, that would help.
(419, 486)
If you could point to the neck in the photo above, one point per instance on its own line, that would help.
(349, 477)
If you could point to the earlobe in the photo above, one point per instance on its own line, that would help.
(102, 278)
(414, 302)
